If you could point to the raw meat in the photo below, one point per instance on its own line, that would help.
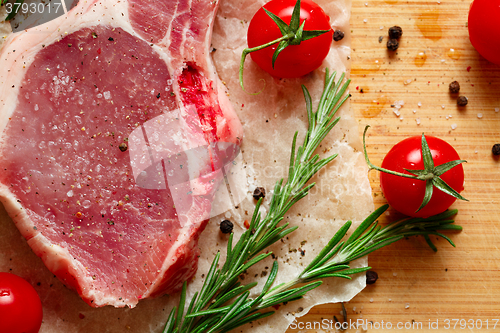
(115, 131)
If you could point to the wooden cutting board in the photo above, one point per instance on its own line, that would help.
(457, 287)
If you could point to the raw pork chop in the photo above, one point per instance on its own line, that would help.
(115, 224)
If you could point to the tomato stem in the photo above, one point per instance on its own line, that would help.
(257, 48)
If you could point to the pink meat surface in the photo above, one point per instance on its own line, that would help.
(115, 225)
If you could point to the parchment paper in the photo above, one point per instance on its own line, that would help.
(270, 119)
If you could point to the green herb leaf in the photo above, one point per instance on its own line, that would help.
(295, 19)
(281, 46)
(429, 188)
(441, 169)
(441, 184)
(309, 34)
(427, 156)
(279, 22)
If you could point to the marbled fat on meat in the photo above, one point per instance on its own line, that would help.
(71, 92)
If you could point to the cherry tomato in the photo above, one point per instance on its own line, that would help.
(484, 31)
(20, 306)
(295, 60)
(404, 194)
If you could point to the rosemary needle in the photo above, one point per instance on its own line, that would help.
(223, 303)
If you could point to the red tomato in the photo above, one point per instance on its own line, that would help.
(484, 31)
(404, 194)
(20, 306)
(295, 60)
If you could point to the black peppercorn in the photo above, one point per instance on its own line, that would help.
(226, 227)
(123, 146)
(462, 101)
(392, 44)
(496, 149)
(395, 32)
(338, 35)
(371, 277)
(259, 192)
(454, 87)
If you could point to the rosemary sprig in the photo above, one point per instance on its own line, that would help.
(224, 303)
(222, 284)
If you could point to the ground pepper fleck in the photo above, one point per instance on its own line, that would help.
(395, 32)
(454, 87)
(462, 101)
(392, 44)
(496, 149)
(338, 35)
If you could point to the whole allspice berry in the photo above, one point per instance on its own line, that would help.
(259, 192)
(123, 146)
(454, 87)
(496, 149)
(462, 101)
(392, 44)
(338, 35)
(371, 277)
(395, 32)
(226, 227)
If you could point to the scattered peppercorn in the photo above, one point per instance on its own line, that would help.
(462, 101)
(380, 39)
(371, 277)
(111, 39)
(338, 35)
(392, 44)
(123, 146)
(496, 149)
(395, 32)
(259, 192)
(454, 87)
(226, 227)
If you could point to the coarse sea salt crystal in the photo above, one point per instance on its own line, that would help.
(70, 193)
(480, 115)
(453, 126)
(419, 104)
(497, 109)
(418, 121)
(107, 95)
(396, 112)
(407, 305)
(371, 300)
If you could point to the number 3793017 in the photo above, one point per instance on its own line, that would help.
(471, 324)
(32, 8)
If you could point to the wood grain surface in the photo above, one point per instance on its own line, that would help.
(415, 284)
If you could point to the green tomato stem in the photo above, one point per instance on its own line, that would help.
(372, 166)
(246, 51)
